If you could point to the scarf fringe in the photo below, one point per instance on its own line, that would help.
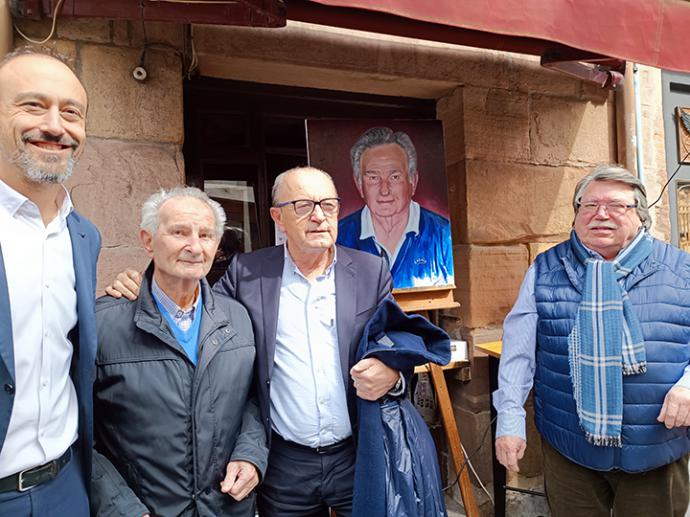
(634, 369)
(604, 441)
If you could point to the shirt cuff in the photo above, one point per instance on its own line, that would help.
(684, 381)
(399, 387)
(511, 425)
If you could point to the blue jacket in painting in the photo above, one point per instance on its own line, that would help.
(659, 290)
(425, 259)
(397, 471)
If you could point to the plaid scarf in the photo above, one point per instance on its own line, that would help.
(606, 340)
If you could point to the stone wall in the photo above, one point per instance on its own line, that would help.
(134, 130)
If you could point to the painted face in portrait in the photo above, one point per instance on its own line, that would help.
(607, 220)
(185, 244)
(385, 184)
(42, 118)
(311, 232)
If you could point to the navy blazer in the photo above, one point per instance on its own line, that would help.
(86, 243)
(254, 279)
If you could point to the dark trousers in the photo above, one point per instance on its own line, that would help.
(576, 491)
(301, 482)
(64, 496)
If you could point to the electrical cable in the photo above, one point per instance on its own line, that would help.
(476, 476)
(669, 179)
(468, 458)
(52, 29)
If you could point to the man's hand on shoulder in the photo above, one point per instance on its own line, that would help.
(373, 379)
(125, 284)
(676, 409)
(241, 477)
(509, 450)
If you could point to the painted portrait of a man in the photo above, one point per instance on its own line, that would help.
(391, 221)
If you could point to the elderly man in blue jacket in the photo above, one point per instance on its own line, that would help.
(601, 327)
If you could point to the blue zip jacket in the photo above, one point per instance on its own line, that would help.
(397, 471)
(424, 259)
(659, 290)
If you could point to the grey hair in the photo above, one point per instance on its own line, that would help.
(33, 50)
(617, 173)
(280, 179)
(150, 210)
(377, 136)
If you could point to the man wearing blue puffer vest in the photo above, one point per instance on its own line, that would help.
(601, 328)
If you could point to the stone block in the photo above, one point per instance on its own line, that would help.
(120, 107)
(476, 336)
(535, 248)
(457, 201)
(156, 32)
(571, 131)
(67, 48)
(510, 202)
(526, 74)
(34, 29)
(110, 183)
(450, 110)
(496, 124)
(488, 279)
(121, 33)
(84, 29)
(474, 395)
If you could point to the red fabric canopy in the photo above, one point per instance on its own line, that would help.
(652, 32)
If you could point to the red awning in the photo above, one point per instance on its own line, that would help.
(651, 32)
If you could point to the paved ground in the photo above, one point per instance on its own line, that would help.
(517, 504)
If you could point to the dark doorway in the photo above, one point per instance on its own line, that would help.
(248, 133)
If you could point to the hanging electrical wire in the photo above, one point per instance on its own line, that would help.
(52, 28)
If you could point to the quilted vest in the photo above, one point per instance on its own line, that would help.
(659, 290)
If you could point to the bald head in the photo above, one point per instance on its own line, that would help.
(281, 182)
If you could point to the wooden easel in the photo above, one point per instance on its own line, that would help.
(422, 301)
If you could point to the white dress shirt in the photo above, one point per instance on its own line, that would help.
(308, 400)
(43, 307)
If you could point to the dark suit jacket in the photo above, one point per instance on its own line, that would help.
(86, 243)
(254, 279)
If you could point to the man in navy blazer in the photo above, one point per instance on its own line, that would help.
(48, 256)
(308, 301)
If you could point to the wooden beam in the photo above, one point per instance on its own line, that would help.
(250, 13)
(6, 42)
(453, 436)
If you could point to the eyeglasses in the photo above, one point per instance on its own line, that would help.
(304, 207)
(592, 207)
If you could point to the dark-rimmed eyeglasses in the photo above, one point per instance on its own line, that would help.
(304, 207)
(592, 207)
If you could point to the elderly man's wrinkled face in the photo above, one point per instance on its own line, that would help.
(604, 222)
(385, 184)
(314, 232)
(42, 118)
(185, 243)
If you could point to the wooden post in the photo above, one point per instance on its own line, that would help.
(451, 428)
(6, 43)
